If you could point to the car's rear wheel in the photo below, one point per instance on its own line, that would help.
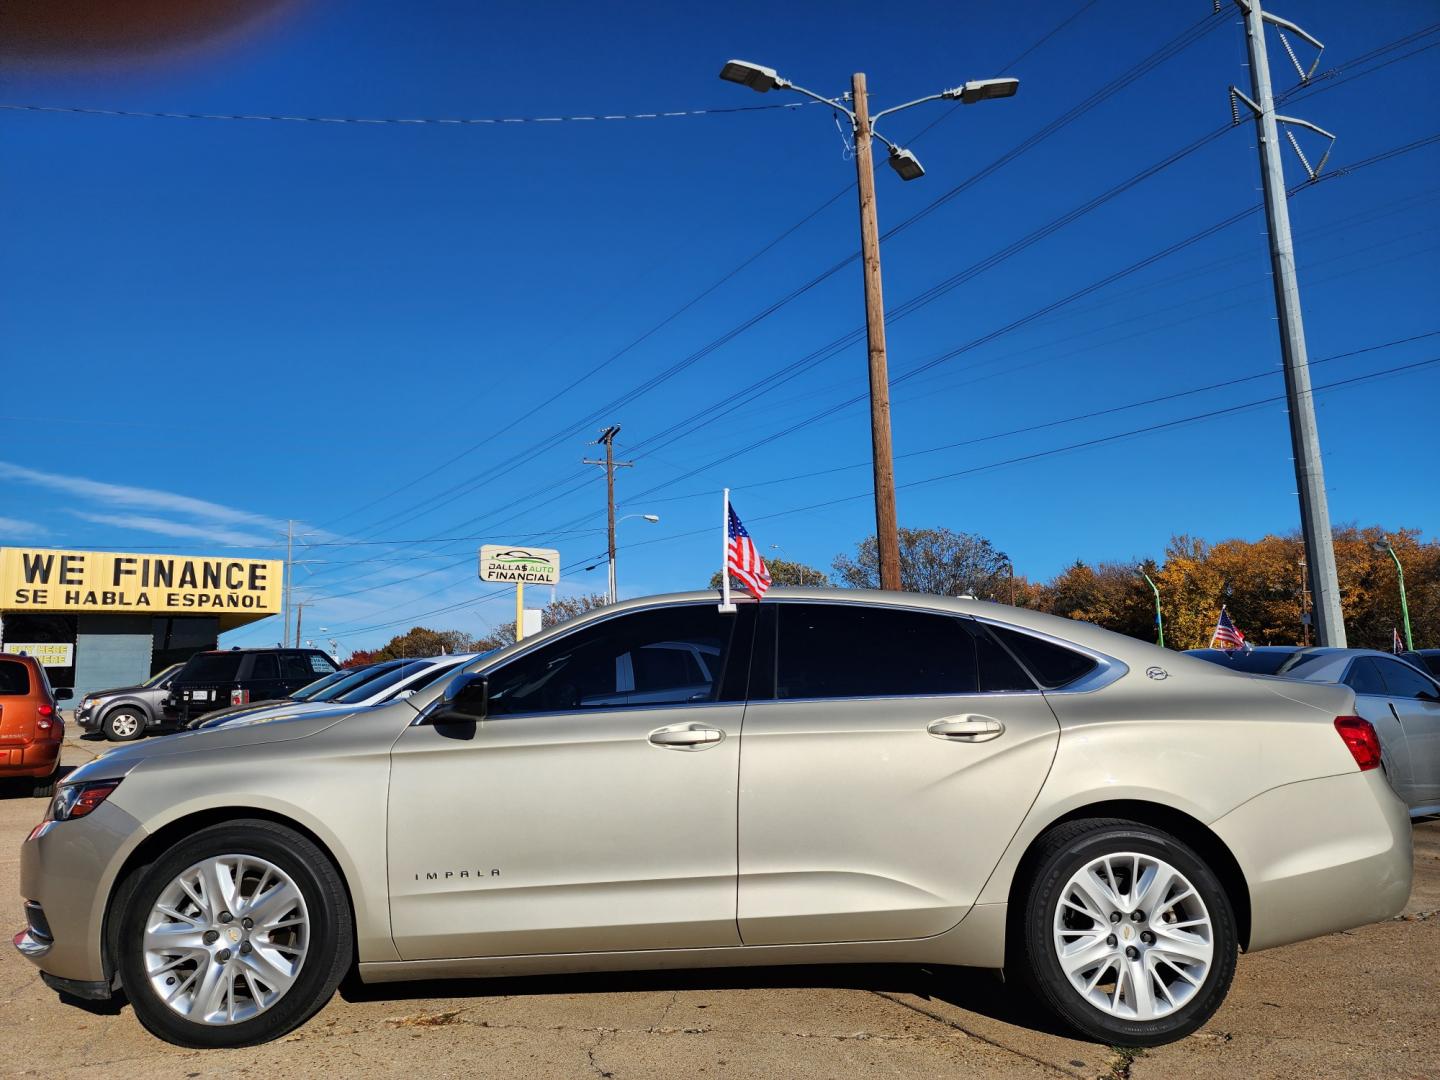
(1126, 933)
(123, 724)
(235, 936)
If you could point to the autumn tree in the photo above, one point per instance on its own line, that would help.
(937, 561)
(422, 641)
(1112, 595)
(557, 611)
(782, 572)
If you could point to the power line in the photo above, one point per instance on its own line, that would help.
(1167, 51)
(461, 121)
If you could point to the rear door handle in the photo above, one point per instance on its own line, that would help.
(967, 727)
(686, 736)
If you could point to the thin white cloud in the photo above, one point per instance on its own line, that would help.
(15, 529)
(141, 498)
(215, 534)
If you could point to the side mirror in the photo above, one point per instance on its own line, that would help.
(465, 700)
(64, 693)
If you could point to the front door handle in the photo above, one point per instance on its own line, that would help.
(686, 736)
(968, 727)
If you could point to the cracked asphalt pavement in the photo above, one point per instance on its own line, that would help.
(1365, 1003)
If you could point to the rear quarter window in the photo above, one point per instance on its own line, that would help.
(1053, 666)
(14, 677)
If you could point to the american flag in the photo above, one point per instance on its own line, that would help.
(744, 561)
(1227, 633)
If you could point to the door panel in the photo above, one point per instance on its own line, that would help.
(563, 833)
(879, 816)
(572, 818)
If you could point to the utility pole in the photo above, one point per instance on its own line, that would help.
(887, 533)
(289, 573)
(1304, 436)
(299, 614)
(907, 166)
(607, 439)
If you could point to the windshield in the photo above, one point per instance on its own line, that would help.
(310, 690)
(355, 679)
(160, 677)
(211, 667)
(378, 685)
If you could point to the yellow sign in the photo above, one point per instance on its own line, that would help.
(50, 654)
(41, 579)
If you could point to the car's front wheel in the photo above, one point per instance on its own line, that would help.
(1127, 934)
(234, 936)
(123, 724)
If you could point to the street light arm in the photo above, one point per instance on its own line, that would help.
(896, 108)
(834, 103)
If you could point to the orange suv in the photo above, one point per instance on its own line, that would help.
(31, 729)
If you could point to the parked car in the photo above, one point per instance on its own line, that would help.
(1425, 660)
(126, 713)
(1255, 660)
(405, 677)
(920, 779)
(308, 692)
(31, 728)
(214, 679)
(1402, 703)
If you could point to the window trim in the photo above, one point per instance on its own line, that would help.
(1107, 670)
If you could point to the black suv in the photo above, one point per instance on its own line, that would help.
(215, 680)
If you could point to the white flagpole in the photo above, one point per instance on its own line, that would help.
(726, 606)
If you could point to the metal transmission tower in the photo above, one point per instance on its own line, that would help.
(1304, 437)
(607, 440)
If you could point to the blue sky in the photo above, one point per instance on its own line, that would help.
(384, 331)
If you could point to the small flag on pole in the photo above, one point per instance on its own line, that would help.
(1227, 633)
(1396, 645)
(741, 558)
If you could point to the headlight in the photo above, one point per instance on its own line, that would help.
(76, 800)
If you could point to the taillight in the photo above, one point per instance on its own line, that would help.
(44, 710)
(1360, 737)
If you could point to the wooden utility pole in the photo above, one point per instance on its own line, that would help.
(607, 439)
(887, 533)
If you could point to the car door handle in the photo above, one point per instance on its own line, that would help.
(686, 736)
(966, 728)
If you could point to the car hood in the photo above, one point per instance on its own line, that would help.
(112, 693)
(277, 726)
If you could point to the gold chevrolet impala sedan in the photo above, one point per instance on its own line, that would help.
(826, 776)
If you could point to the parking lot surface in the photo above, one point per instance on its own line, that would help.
(1358, 1004)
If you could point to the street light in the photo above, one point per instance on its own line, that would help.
(907, 166)
(1384, 545)
(614, 588)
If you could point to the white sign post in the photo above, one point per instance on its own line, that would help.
(522, 566)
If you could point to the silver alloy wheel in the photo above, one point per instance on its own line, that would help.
(124, 724)
(1133, 936)
(226, 939)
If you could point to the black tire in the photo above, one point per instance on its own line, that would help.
(124, 712)
(43, 787)
(327, 958)
(1060, 855)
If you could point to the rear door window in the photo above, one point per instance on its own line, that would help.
(211, 668)
(14, 677)
(1403, 682)
(295, 669)
(266, 668)
(850, 651)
